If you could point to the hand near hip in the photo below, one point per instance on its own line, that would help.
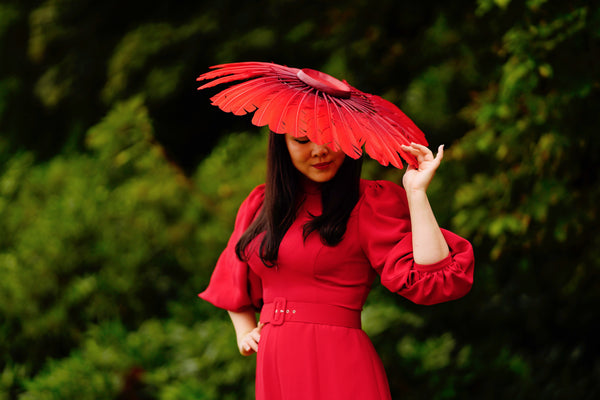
(248, 343)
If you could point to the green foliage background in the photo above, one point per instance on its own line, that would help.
(119, 185)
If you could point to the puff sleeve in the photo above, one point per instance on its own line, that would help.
(386, 239)
(233, 286)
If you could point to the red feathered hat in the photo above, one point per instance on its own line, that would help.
(306, 102)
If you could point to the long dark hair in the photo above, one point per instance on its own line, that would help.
(282, 191)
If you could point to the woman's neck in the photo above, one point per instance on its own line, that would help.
(309, 186)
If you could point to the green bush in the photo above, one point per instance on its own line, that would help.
(118, 234)
(161, 360)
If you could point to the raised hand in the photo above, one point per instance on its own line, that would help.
(418, 179)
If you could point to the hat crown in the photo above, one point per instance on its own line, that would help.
(324, 82)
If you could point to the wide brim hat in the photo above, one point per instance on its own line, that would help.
(307, 102)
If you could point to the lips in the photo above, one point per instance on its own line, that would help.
(322, 165)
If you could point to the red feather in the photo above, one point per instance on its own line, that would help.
(242, 99)
(285, 104)
(300, 127)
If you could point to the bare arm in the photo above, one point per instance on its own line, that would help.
(246, 331)
(429, 245)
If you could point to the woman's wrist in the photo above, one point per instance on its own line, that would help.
(416, 195)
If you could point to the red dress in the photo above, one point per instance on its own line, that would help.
(317, 359)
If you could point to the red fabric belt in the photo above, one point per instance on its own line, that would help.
(281, 310)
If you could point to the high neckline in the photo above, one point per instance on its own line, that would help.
(310, 187)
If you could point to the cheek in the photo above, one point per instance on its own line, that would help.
(293, 152)
(299, 158)
(305, 154)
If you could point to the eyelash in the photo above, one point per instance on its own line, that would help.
(302, 141)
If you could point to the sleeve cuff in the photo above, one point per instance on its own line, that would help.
(443, 263)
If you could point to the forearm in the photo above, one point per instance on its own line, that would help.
(429, 245)
(243, 322)
(246, 330)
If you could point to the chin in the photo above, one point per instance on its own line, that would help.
(321, 179)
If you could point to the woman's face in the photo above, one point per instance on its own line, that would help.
(316, 162)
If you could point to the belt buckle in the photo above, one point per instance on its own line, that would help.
(279, 308)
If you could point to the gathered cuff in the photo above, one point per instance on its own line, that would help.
(443, 263)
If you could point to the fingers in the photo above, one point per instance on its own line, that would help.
(418, 150)
(249, 343)
(440, 153)
(255, 336)
(418, 147)
(248, 346)
(422, 153)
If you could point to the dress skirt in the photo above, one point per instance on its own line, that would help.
(301, 361)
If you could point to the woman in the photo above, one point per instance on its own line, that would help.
(305, 250)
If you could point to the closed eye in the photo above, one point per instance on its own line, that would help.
(302, 140)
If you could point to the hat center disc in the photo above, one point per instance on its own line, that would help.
(324, 82)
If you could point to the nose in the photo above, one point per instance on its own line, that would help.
(319, 150)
